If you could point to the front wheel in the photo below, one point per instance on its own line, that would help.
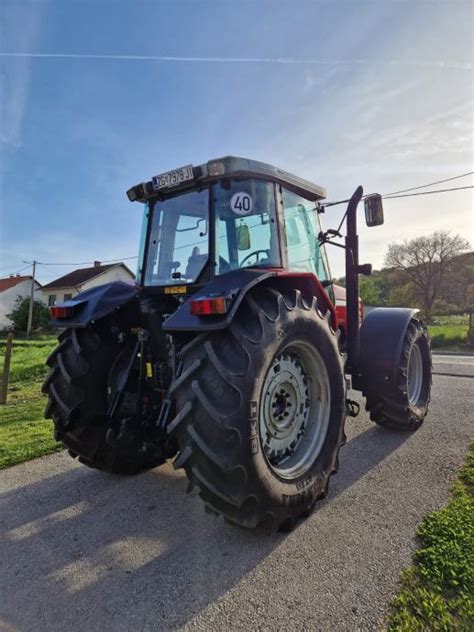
(261, 409)
(405, 405)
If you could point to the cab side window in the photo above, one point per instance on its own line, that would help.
(301, 231)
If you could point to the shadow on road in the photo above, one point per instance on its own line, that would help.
(82, 546)
(362, 454)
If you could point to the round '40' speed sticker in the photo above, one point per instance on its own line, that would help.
(241, 203)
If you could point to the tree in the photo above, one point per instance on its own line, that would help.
(19, 315)
(458, 280)
(373, 290)
(403, 295)
(470, 308)
(425, 261)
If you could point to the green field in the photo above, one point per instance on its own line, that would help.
(449, 332)
(24, 434)
(437, 593)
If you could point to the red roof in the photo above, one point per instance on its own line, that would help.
(78, 277)
(8, 282)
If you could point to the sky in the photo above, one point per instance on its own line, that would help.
(99, 95)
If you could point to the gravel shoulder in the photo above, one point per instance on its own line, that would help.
(84, 550)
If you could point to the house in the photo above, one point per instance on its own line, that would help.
(11, 288)
(73, 283)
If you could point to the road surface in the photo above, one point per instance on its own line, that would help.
(85, 551)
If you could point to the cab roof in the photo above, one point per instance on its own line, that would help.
(228, 167)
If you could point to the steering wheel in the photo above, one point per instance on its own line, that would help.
(255, 253)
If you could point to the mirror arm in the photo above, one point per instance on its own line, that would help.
(325, 238)
(332, 243)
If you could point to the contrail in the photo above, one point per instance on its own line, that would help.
(247, 60)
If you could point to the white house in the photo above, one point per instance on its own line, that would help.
(11, 288)
(83, 279)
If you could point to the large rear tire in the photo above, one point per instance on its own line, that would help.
(261, 410)
(405, 405)
(78, 392)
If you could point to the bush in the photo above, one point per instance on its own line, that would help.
(19, 316)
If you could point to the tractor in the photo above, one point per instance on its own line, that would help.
(234, 352)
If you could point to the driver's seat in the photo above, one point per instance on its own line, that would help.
(195, 263)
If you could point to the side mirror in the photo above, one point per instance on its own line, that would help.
(373, 210)
(243, 237)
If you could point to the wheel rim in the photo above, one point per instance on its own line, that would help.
(294, 410)
(415, 375)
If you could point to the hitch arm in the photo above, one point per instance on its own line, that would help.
(122, 382)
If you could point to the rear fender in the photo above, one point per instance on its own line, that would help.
(381, 339)
(234, 286)
(96, 303)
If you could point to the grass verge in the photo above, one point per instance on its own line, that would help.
(449, 332)
(452, 337)
(437, 593)
(24, 433)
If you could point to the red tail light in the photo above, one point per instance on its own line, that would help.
(59, 312)
(209, 306)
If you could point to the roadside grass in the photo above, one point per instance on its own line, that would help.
(24, 433)
(449, 332)
(437, 593)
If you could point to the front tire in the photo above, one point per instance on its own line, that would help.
(405, 405)
(261, 410)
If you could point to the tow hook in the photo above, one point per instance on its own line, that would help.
(352, 408)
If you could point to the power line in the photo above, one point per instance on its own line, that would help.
(431, 184)
(8, 268)
(20, 270)
(48, 272)
(84, 263)
(391, 197)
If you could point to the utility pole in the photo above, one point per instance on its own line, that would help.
(6, 370)
(32, 298)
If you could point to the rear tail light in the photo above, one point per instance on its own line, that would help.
(209, 306)
(59, 312)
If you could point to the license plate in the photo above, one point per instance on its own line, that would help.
(173, 178)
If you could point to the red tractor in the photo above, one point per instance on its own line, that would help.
(234, 352)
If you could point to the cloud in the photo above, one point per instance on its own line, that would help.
(448, 65)
(15, 77)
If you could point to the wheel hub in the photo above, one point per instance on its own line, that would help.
(294, 410)
(285, 406)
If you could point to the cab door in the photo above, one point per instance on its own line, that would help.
(301, 226)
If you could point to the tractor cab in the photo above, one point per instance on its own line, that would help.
(225, 215)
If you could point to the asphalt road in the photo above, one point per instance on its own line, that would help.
(453, 365)
(85, 551)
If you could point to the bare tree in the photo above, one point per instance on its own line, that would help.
(426, 261)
